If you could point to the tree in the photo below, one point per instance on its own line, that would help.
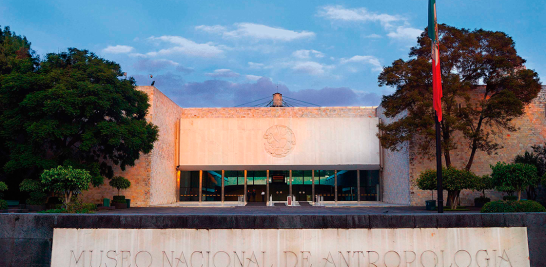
(514, 177)
(427, 181)
(119, 183)
(485, 86)
(66, 181)
(483, 183)
(454, 181)
(74, 109)
(535, 160)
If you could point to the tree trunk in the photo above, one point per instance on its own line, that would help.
(453, 198)
(519, 194)
(474, 144)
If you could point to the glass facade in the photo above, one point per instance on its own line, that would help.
(325, 184)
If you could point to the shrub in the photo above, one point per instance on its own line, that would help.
(66, 181)
(3, 186)
(3, 204)
(427, 181)
(513, 206)
(119, 183)
(514, 177)
(36, 198)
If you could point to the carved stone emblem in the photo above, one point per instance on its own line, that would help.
(279, 141)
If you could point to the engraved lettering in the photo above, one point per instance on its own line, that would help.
(286, 258)
(214, 258)
(91, 259)
(329, 259)
(114, 258)
(123, 258)
(370, 258)
(358, 257)
(406, 256)
(486, 259)
(74, 256)
(503, 259)
(305, 258)
(149, 257)
(253, 259)
(191, 258)
(167, 257)
(435, 258)
(455, 258)
(395, 254)
(181, 259)
(241, 263)
(341, 257)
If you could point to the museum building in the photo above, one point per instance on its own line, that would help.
(265, 154)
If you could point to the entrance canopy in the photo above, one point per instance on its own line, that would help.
(279, 144)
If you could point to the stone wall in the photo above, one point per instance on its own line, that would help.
(395, 172)
(153, 178)
(285, 112)
(531, 131)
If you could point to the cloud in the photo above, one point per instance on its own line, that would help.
(183, 69)
(257, 32)
(225, 73)
(118, 49)
(403, 32)
(339, 13)
(373, 36)
(185, 46)
(254, 65)
(153, 64)
(307, 54)
(252, 77)
(211, 29)
(221, 93)
(364, 59)
(309, 67)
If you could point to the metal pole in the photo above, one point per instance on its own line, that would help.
(267, 188)
(290, 180)
(439, 167)
(200, 185)
(313, 185)
(358, 185)
(245, 193)
(223, 186)
(335, 185)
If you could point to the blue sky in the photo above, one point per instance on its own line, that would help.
(226, 53)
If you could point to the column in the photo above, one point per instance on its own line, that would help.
(313, 185)
(358, 185)
(335, 185)
(223, 186)
(244, 196)
(200, 185)
(290, 179)
(267, 188)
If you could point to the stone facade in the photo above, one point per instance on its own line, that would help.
(531, 131)
(153, 178)
(284, 112)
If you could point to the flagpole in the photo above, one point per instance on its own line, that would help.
(439, 167)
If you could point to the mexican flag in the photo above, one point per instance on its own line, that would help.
(436, 73)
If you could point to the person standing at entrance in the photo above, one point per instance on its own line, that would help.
(254, 194)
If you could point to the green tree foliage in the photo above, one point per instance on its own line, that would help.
(427, 181)
(119, 183)
(454, 180)
(3, 186)
(478, 113)
(73, 108)
(482, 183)
(514, 177)
(29, 185)
(532, 159)
(66, 181)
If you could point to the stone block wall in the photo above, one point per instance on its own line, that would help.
(284, 112)
(395, 172)
(531, 131)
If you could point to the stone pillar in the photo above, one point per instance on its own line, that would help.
(245, 193)
(335, 185)
(313, 185)
(223, 172)
(290, 187)
(267, 188)
(358, 185)
(200, 185)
